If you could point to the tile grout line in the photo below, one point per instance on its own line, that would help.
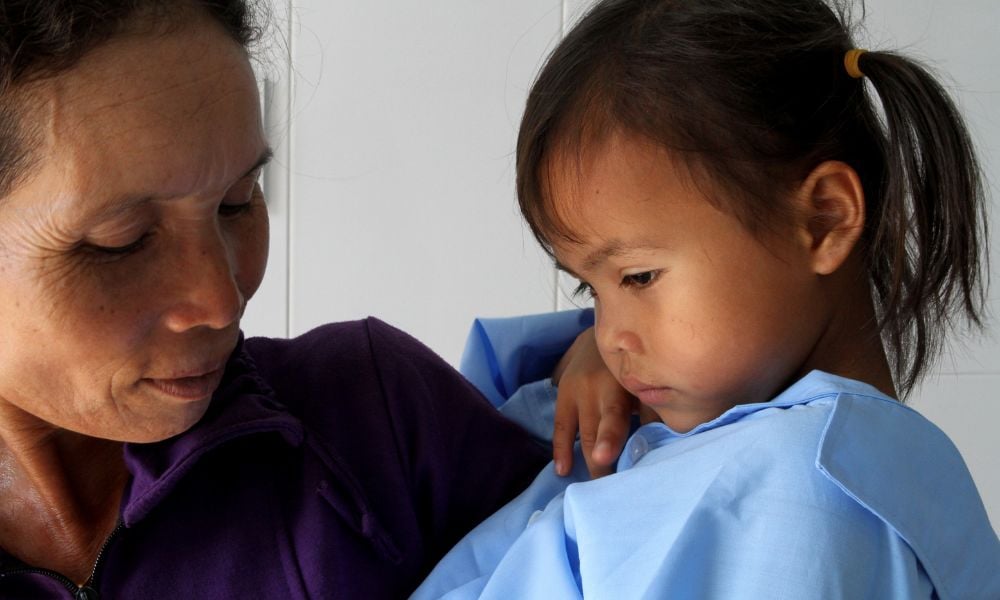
(290, 181)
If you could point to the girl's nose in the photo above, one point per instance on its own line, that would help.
(614, 333)
(207, 294)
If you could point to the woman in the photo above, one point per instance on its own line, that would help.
(148, 451)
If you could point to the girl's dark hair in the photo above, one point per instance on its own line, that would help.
(752, 95)
(41, 38)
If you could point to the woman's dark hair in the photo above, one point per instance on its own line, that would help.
(41, 38)
(752, 95)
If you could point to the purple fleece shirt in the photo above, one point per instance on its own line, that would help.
(340, 464)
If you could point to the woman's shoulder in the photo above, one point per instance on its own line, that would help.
(368, 377)
(344, 342)
(353, 383)
(338, 359)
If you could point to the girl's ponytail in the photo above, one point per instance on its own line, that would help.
(927, 224)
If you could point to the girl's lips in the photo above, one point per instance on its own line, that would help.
(653, 396)
(647, 394)
(197, 387)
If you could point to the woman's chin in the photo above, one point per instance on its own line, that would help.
(162, 425)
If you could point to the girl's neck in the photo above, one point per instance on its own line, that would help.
(851, 346)
(59, 493)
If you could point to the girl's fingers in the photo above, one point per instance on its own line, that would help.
(589, 415)
(616, 416)
(591, 400)
(564, 431)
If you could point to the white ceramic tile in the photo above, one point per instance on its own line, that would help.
(959, 41)
(967, 408)
(404, 128)
(267, 312)
(573, 10)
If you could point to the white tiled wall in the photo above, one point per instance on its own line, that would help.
(959, 40)
(392, 189)
(403, 127)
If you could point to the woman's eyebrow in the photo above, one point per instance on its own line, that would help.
(265, 157)
(123, 205)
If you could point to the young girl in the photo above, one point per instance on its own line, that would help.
(777, 229)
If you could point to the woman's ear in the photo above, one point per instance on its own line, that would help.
(831, 209)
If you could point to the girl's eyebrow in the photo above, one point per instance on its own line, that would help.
(615, 248)
(565, 269)
(609, 250)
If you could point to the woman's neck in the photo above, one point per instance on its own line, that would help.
(59, 493)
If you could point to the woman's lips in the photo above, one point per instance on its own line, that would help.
(196, 387)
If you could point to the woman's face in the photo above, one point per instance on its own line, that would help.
(128, 254)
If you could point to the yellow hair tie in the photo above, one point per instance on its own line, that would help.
(851, 62)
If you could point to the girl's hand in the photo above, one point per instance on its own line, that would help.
(589, 398)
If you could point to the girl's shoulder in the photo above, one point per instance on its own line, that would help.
(830, 464)
(906, 471)
(886, 459)
(831, 472)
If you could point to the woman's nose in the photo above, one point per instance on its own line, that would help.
(614, 332)
(207, 294)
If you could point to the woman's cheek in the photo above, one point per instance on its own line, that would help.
(250, 241)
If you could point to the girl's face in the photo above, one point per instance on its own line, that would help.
(694, 313)
(128, 254)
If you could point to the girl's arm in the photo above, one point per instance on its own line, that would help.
(589, 400)
(502, 356)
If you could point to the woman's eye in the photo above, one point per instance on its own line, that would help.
(229, 210)
(119, 251)
(639, 280)
(244, 201)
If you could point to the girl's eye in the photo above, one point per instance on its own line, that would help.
(584, 289)
(639, 280)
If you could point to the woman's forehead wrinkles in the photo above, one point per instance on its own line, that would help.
(125, 202)
(186, 96)
(122, 204)
(156, 103)
(148, 146)
(177, 76)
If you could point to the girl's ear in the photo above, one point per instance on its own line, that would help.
(831, 209)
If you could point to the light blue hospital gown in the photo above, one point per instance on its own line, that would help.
(831, 490)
